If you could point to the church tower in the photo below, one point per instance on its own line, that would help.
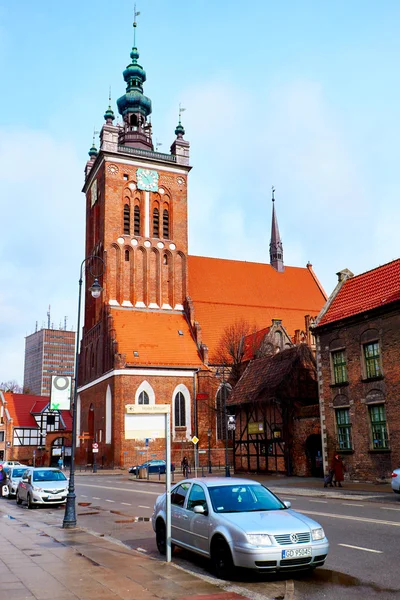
(275, 246)
(136, 207)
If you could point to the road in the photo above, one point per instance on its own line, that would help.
(364, 550)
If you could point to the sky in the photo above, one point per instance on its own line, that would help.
(299, 94)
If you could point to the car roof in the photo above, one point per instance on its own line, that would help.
(221, 481)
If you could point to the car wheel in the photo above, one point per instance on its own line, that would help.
(221, 559)
(18, 499)
(161, 537)
(29, 502)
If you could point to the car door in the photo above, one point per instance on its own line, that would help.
(198, 525)
(179, 517)
(23, 487)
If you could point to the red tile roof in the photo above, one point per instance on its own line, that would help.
(225, 291)
(252, 343)
(155, 336)
(375, 288)
(21, 407)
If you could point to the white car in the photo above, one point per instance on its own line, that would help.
(10, 463)
(239, 523)
(14, 476)
(396, 481)
(42, 485)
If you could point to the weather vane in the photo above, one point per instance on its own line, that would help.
(181, 110)
(135, 14)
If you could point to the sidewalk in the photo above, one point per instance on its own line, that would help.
(41, 561)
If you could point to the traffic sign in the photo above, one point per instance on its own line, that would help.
(95, 446)
(194, 440)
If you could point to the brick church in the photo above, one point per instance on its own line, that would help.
(152, 336)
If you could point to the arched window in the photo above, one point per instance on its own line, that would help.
(222, 396)
(165, 259)
(156, 223)
(143, 398)
(134, 121)
(127, 219)
(166, 224)
(136, 219)
(127, 255)
(180, 410)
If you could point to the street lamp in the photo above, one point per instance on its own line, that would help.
(227, 471)
(70, 509)
(209, 450)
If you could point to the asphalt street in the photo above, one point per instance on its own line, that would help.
(362, 563)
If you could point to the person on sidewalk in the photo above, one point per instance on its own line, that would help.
(60, 463)
(185, 467)
(338, 468)
(3, 482)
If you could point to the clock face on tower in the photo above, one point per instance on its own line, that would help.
(147, 180)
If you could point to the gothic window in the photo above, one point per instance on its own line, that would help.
(136, 218)
(339, 366)
(165, 259)
(127, 255)
(143, 398)
(166, 224)
(134, 121)
(180, 412)
(127, 219)
(372, 360)
(156, 223)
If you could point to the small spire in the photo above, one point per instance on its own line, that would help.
(109, 114)
(275, 246)
(180, 131)
(93, 150)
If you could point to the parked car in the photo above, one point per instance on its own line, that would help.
(14, 475)
(396, 481)
(239, 523)
(154, 466)
(9, 463)
(42, 485)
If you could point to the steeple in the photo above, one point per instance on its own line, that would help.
(109, 114)
(134, 106)
(180, 147)
(275, 246)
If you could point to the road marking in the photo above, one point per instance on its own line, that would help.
(113, 501)
(352, 504)
(82, 496)
(289, 498)
(363, 519)
(127, 504)
(143, 506)
(104, 487)
(321, 501)
(95, 498)
(360, 548)
(388, 508)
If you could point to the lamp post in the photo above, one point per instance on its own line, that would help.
(95, 289)
(225, 417)
(209, 450)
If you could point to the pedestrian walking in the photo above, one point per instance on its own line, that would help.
(3, 482)
(185, 466)
(338, 469)
(60, 463)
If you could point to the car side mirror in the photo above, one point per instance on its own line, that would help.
(200, 510)
(25, 479)
(287, 503)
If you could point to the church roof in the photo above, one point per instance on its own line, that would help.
(156, 338)
(364, 292)
(225, 291)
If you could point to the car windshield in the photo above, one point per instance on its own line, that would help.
(17, 472)
(44, 475)
(243, 498)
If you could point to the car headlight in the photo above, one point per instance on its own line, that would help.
(317, 534)
(259, 539)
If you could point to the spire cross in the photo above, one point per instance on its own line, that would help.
(135, 14)
(273, 193)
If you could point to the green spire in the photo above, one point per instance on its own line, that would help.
(93, 152)
(180, 131)
(109, 114)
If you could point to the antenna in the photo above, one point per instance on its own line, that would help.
(65, 323)
(135, 14)
(48, 318)
(36, 327)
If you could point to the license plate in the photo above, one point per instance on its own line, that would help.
(54, 496)
(296, 553)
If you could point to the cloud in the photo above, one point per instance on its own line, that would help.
(42, 238)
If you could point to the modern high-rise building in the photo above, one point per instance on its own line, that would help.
(47, 352)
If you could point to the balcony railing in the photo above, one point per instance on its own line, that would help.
(148, 153)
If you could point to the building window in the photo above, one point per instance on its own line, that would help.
(339, 366)
(377, 415)
(166, 224)
(343, 428)
(136, 218)
(180, 410)
(372, 360)
(1, 436)
(143, 398)
(127, 255)
(156, 223)
(127, 220)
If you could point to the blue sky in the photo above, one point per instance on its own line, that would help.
(302, 95)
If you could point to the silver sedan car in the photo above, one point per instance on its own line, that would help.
(396, 481)
(42, 485)
(14, 475)
(239, 523)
